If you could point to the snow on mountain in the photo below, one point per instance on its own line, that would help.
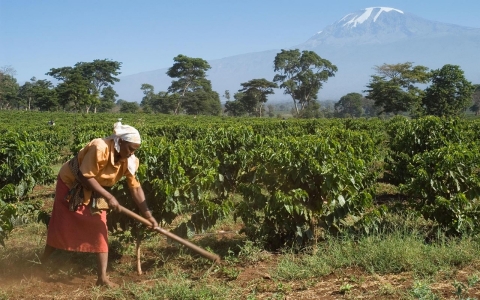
(378, 25)
(351, 20)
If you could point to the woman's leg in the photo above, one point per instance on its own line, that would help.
(102, 262)
(46, 253)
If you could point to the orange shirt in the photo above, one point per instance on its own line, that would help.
(96, 160)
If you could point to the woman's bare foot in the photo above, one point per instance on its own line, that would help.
(106, 282)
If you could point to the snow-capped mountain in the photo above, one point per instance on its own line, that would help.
(376, 25)
(355, 43)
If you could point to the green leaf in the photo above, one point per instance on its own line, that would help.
(288, 208)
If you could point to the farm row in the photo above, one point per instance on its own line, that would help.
(287, 180)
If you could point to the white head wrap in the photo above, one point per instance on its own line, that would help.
(128, 134)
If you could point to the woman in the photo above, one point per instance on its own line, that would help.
(78, 221)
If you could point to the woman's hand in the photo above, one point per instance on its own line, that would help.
(153, 221)
(139, 197)
(149, 217)
(113, 204)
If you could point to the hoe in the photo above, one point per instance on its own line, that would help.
(211, 256)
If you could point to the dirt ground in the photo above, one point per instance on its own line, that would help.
(73, 275)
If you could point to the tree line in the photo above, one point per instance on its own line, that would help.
(393, 89)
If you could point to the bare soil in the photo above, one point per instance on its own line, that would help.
(73, 275)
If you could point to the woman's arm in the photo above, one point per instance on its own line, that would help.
(139, 197)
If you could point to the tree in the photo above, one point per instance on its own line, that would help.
(394, 88)
(107, 99)
(165, 103)
(8, 88)
(202, 102)
(46, 98)
(449, 94)
(226, 95)
(38, 94)
(349, 105)
(302, 75)
(148, 98)
(271, 110)
(158, 103)
(45, 95)
(476, 99)
(129, 107)
(191, 74)
(256, 93)
(100, 73)
(369, 108)
(82, 84)
(73, 92)
(312, 110)
(236, 107)
(26, 93)
(120, 102)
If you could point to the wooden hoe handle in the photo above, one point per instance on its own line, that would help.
(212, 256)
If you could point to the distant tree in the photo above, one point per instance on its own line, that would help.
(394, 89)
(100, 73)
(129, 107)
(369, 108)
(327, 112)
(148, 96)
(349, 105)
(202, 102)
(236, 107)
(158, 103)
(255, 95)
(8, 88)
(302, 75)
(82, 84)
(450, 94)
(73, 91)
(26, 93)
(107, 99)
(46, 96)
(312, 110)
(165, 103)
(8, 70)
(191, 74)
(39, 94)
(120, 102)
(226, 95)
(271, 110)
(476, 99)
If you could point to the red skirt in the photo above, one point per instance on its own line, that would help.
(76, 231)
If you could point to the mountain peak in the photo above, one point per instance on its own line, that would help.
(352, 19)
(378, 25)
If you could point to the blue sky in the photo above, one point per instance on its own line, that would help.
(145, 35)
